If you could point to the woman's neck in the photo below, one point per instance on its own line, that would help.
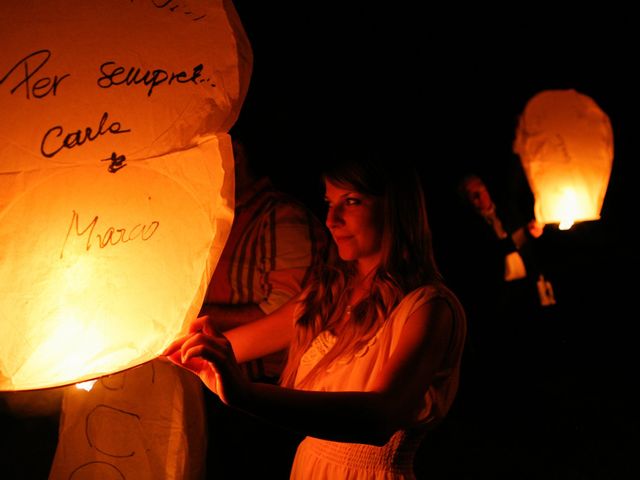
(365, 269)
(359, 287)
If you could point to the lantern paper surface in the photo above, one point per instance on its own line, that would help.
(116, 178)
(565, 144)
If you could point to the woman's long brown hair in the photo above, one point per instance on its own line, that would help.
(407, 263)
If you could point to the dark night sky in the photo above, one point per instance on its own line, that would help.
(449, 85)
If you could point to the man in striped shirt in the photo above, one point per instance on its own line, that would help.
(274, 246)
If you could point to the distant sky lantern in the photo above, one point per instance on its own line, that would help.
(116, 178)
(565, 143)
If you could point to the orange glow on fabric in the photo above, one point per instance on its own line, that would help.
(116, 178)
(565, 144)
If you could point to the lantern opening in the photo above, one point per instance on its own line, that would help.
(86, 386)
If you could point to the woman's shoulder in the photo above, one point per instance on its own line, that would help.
(428, 293)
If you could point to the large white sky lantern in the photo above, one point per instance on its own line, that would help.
(116, 178)
(565, 144)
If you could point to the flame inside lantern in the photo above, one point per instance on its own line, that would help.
(86, 386)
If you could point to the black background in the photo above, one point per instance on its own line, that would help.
(448, 84)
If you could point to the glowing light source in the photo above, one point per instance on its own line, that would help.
(565, 144)
(116, 178)
(86, 386)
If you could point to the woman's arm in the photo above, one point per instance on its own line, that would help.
(269, 334)
(227, 316)
(363, 417)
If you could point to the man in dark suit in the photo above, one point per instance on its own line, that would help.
(495, 269)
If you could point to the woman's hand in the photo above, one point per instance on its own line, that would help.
(208, 354)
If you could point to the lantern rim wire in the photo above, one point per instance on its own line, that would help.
(83, 380)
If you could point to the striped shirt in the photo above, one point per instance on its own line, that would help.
(273, 247)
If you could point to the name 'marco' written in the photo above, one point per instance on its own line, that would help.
(110, 236)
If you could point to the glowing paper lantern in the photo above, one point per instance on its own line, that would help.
(116, 178)
(565, 144)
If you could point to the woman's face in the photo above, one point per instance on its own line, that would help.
(355, 221)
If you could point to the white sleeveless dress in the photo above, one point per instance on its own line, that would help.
(323, 459)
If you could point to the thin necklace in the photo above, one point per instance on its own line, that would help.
(349, 307)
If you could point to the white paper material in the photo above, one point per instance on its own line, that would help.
(116, 178)
(565, 144)
(110, 432)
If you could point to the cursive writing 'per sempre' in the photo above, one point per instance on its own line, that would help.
(23, 74)
(115, 75)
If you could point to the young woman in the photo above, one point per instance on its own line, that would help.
(375, 342)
